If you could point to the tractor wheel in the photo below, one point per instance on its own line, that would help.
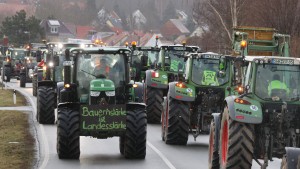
(7, 73)
(22, 80)
(34, 85)
(177, 120)
(136, 133)
(68, 142)
(163, 119)
(236, 143)
(45, 105)
(121, 144)
(154, 100)
(213, 147)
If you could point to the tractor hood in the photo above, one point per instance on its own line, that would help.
(102, 85)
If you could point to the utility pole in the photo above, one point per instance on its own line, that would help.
(233, 6)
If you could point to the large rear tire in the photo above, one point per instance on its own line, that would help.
(45, 105)
(22, 80)
(213, 147)
(136, 133)
(7, 73)
(34, 85)
(121, 144)
(154, 100)
(236, 143)
(177, 120)
(68, 142)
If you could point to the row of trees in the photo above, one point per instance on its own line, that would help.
(217, 19)
(21, 30)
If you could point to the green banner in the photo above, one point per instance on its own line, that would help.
(102, 118)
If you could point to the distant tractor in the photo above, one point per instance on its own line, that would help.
(95, 102)
(169, 67)
(191, 102)
(48, 79)
(12, 63)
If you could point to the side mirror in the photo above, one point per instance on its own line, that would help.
(56, 60)
(144, 60)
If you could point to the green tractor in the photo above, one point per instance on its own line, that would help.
(28, 66)
(48, 79)
(190, 103)
(95, 102)
(168, 68)
(143, 58)
(12, 63)
(262, 122)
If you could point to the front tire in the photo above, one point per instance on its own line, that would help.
(213, 156)
(236, 141)
(177, 122)
(7, 73)
(154, 100)
(136, 133)
(68, 142)
(45, 105)
(22, 80)
(34, 85)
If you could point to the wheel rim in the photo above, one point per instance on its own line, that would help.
(211, 144)
(224, 142)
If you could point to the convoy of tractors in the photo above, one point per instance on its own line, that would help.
(248, 102)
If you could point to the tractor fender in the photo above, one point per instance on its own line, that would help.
(160, 82)
(183, 94)
(48, 83)
(71, 105)
(132, 105)
(59, 87)
(246, 113)
(139, 91)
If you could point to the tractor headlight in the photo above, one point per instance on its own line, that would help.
(94, 93)
(110, 93)
(51, 64)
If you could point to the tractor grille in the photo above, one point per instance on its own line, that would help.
(103, 97)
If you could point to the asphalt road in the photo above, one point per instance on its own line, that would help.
(104, 153)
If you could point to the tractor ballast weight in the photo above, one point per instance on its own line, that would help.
(264, 120)
(260, 41)
(95, 102)
(168, 68)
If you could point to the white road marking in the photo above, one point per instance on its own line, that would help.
(163, 157)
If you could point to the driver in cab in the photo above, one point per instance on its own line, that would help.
(102, 68)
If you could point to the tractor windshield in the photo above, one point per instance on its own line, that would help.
(95, 66)
(174, 60)
(278, 82)
(149, 57)
(17, 54)
(206, 72)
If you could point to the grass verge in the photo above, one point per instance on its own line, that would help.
(16, 142)
(6, 98)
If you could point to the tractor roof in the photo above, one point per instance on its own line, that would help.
(273, 60)
(100, 50)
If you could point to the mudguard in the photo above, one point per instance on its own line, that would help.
(157, 82)
(246, 113)
(132, 105)
(70, 105)
(48, 83)
(186, 93)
